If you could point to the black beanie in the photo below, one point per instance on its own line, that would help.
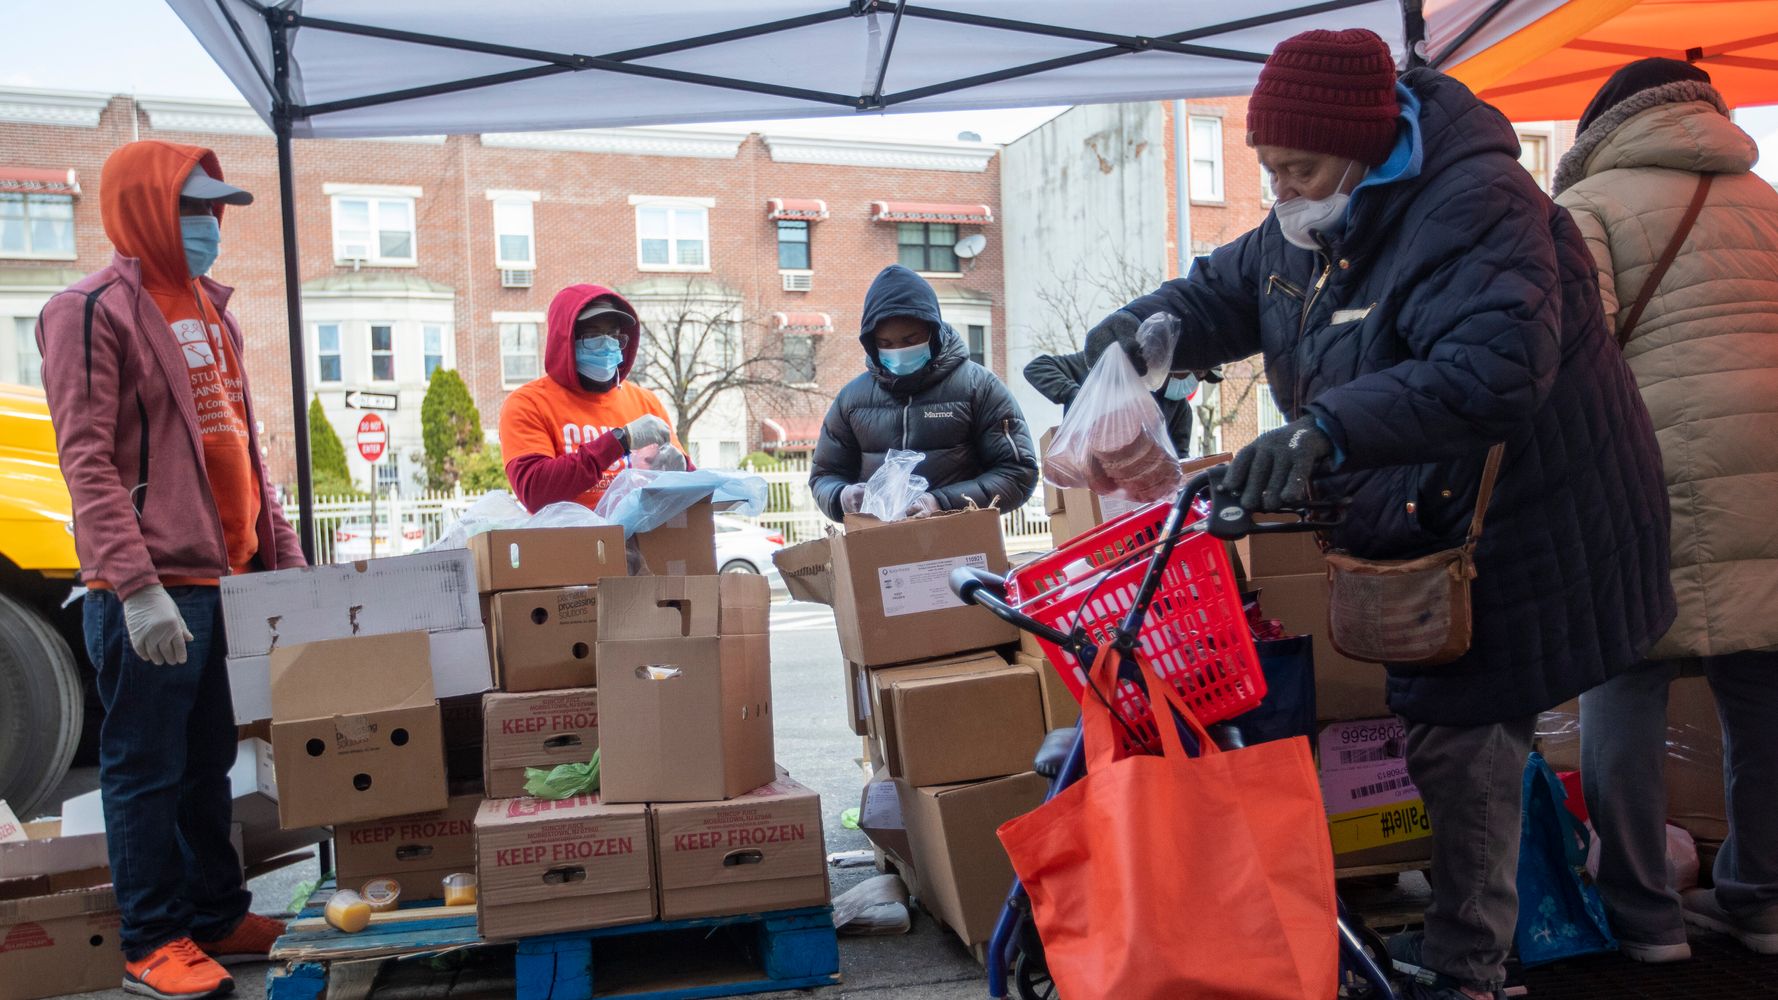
(1643, 74)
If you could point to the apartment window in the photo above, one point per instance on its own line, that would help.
(373, 230)
(927, 246)
(978, 343)
(515, 234)
(389, 480)
(327, 352)
(29, 363)
(1270, 417)
(36, 225)
(518, 353)
(1206, 158)
(382, 353)
(672, 237)
(432, 342)
(793, 244)
(1534, 154)
(799, 359)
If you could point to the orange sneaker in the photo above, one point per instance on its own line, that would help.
(251, 941)
(177, 970)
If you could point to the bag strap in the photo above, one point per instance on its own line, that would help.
(1490, 473)
(1654, 277)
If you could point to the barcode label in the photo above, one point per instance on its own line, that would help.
(1382, 786)
(1369, 755)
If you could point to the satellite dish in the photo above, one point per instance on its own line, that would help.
(971, 245)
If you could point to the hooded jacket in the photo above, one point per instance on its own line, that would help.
(1460, 309)
(1705, 352)
(1059, 376)
(127, 425)
(953, 410)
(557, 437)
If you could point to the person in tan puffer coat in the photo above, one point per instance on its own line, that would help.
(1705, 355)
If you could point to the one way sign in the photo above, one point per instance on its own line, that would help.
(358, 400)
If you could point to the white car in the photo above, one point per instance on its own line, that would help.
(351, 541)
(744, 547)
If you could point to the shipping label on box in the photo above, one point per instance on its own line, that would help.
(416, 851)
(574, 864)
(1371, 801)
(912, 588)
(760, 851)
(545, 639)
(539, 730)
(61, 943)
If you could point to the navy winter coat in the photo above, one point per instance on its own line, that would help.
(957, 412)
(1460, 309)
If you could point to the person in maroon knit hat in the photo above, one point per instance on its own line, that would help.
(1420, 301)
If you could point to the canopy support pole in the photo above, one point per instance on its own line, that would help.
(277, 21)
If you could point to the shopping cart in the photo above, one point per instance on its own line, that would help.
(1157, 578)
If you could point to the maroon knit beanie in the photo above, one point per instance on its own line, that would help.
(1327, 92)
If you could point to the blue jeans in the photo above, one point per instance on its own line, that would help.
(165, 750)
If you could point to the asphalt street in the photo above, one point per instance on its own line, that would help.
(819, 749)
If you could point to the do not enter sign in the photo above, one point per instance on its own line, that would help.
(373, 437)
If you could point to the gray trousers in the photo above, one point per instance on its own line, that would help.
(1472, 778)
(1623, 725)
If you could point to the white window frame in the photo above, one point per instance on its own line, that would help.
(1195, 153)
(375, 196)
(30, 252)
(339, 352)
(444, 348)
(1544, 132)
(673, 205)
(518, 206)
(1268, 417)
(814, 342)
(536, 319)
(371, 352)
(1212, 395)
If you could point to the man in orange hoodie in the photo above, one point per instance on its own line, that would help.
(567, 435)
(156, 437)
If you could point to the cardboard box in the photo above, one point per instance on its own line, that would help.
(55, 943)
(686, 691)
(544, 639)
(1344, 688)
(1294, 554)
(56, 859)
(356, 733)
(759, 851)
(963, 871)
(889, 585)
(431, 592)
(879, 819)
(962, 726)
(887, 728)
(1375, 815)
(416, 851)
(541, 558)
(684, 546)
(538, 730)
(858, 699)
(1060, 710)
(570, 865)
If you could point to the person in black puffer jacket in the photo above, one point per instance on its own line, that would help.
(926, 396)
(1419, 300)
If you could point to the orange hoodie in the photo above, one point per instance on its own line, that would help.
(139, 203)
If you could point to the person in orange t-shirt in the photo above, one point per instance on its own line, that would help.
(567, 435)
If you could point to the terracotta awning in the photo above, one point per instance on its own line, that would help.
(789, 433)
(803, 209)
(930, 211)
(38, 180)
(803, 322)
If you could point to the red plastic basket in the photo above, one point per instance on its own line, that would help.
(1196, 633)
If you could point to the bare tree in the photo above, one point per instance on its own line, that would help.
(1211, 411)
(703, 340)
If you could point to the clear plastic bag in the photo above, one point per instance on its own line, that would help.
(1158, 335)
(875, 906)
(1114, 439)
(495, 510)
(894, 486)
(642, 501)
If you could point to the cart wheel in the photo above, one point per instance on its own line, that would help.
(1032, 978)
(1352, 985)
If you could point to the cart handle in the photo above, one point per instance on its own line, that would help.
(988, 590)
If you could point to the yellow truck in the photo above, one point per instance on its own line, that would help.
(44, 676)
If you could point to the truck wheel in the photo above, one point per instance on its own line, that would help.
(42, 707)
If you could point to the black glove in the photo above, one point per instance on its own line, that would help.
(1118, 328)
(1274, 470)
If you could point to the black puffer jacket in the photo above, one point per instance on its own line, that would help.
(1058, 377)
(1460, 309)
(954, 410)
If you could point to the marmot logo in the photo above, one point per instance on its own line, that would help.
(939, 415)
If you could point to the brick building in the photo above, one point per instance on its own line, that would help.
(445, 251)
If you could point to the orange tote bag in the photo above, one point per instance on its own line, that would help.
(1167, 877)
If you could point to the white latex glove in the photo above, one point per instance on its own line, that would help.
(852, 499)
(157, 632)
(647, 430)
(925, 504)
(668, 459)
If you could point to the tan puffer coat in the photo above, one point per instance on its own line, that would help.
(1705, 352)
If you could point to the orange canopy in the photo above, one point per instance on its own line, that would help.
(1551, 67)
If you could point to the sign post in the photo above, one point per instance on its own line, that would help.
(373, 438)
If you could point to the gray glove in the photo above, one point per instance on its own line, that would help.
(852, 499)
(1118, 328)
(646, 430)
(925, 504)
(668, 459)
(157, 631)
(1274, 470)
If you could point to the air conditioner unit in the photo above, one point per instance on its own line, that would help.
(515, 277)
(799, 282)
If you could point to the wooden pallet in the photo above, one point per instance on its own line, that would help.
(421, 955)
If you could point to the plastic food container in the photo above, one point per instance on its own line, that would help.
(383, 894)
(347, 911)
(459, 889)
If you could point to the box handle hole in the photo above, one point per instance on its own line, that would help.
(315, 748)
(581, 650)
(565, 740)
(398, 737)
(749, 857)
(562, 876)
(539, 616)
(361, 781)
(408, 852)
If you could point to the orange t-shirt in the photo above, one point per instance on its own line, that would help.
(543, 417)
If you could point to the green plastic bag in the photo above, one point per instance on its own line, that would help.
(564, 780)
(849, 818)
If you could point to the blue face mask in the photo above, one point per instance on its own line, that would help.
(1181, 388)
(202, 235)
(904, 360)
(597, 358)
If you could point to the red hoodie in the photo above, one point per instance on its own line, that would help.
(556, 436)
